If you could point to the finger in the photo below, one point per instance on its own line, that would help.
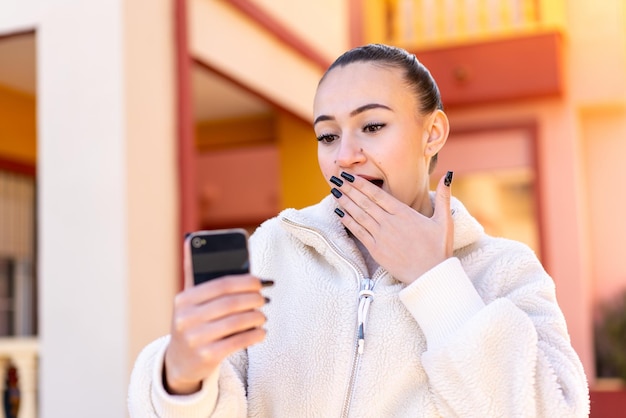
(361, 213)
(225, 327)
(204, 292)
(360, 232)
(187, 267)
(225, 347)
(361, 201)
(193, 315)
(232, 304)
(369, 196)
(442, 197)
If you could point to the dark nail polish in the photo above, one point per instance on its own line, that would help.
(448, 180)
(336, 181)
(267, 300)
(267, 282)
(347, 176)
(336, 193)
(339, 212)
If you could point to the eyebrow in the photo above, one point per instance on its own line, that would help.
(361, 109)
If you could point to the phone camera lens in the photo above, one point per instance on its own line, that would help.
(196, 242)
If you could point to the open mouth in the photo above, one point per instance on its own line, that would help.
(377, 182)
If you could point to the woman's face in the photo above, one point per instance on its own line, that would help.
(368, 124)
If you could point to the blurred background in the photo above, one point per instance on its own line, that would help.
(125, 124)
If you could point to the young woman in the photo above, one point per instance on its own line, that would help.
(387, 300)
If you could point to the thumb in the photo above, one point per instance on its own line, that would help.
(442, 197)
(187, 266)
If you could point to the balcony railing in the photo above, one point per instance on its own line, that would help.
(23, 353)
(431, 23)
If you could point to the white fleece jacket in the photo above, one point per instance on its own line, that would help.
(480, 335)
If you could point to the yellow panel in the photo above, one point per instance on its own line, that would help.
(301, 181)
(238, 132)
(552, 13)
(431, 23)
(375, 13)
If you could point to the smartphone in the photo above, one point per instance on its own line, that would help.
(218, 253)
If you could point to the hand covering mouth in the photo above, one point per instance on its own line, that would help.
(374, 181)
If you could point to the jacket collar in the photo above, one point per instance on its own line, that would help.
(316, 224)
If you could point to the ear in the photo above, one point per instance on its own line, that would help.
(437, 135)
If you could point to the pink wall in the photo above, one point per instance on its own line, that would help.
(604, 146)
(238, 187)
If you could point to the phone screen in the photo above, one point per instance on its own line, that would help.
(218, 253)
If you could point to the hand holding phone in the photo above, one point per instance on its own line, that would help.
(217, 314)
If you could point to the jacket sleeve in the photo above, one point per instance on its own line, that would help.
(222, 394)
(507, 353)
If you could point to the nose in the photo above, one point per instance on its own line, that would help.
(349, 152)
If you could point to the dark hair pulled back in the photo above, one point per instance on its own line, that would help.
(416, 74)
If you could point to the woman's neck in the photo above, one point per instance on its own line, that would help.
(371, 264)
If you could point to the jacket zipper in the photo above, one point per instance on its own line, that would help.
(366, 296)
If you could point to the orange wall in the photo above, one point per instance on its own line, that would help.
(18, 126)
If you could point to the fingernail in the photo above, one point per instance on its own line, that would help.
(267, 300)
(335, 193)
(347, 176)
(339, 212)
(267, 282)
(448, 180)
(336, 181)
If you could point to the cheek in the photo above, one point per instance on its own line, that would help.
(324, 160)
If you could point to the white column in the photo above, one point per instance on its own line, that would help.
(108, 241)
(19, 15)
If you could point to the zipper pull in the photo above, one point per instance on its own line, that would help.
(366, 297)
(361, 339)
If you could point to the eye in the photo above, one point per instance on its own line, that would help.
(373, 127)
(327, 138)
